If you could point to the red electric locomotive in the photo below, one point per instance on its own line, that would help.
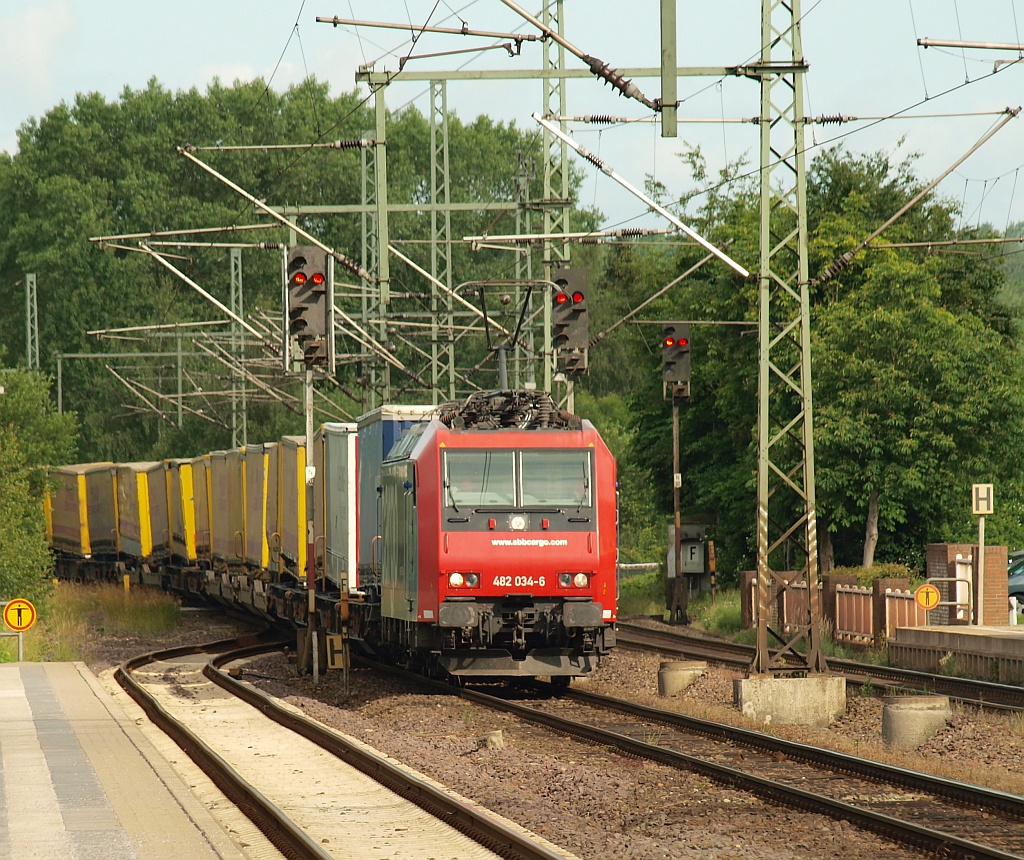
(499, 541)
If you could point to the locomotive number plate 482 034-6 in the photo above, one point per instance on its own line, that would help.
(505, 581)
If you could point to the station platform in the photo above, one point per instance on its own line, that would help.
(78, 779)
(993, 653)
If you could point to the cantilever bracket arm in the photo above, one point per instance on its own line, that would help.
(636, 192)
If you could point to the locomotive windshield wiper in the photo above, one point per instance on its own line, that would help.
(451, 496)
(585, 493)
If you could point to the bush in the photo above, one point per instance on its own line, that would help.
(721, 616)
(890, 570)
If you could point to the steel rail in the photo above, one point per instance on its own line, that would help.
(976, 692)
(906, 832)
(476, 824)
(965, 793)
(903, 831)
(272, 822)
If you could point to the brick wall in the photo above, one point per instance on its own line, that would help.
(940, 561)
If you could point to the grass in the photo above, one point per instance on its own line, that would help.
(75, 612)
(643, 594)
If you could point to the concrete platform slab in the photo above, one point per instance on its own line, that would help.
(993, 653)
(78, 779)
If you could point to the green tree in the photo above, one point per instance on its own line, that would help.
(904, 344)
(913, 403)
(96, 168)
(32, 436)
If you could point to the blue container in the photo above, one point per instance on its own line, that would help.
(379, 430)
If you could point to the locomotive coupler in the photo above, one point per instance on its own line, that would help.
(519, 633)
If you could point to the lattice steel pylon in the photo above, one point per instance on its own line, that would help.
(31, 323)
(786, 517)
(556, 201)
(239, 406)
(442, 344)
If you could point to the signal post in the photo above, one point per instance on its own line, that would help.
(309, 339)
(675, 381)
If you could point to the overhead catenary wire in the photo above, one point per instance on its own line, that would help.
(845, 259)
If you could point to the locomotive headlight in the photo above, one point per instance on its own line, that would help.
(463, 580)
(581, 580)
(565, 579)
(517, 523)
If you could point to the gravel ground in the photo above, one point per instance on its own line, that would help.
(599, 804)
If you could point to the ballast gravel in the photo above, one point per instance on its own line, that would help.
(597, 803)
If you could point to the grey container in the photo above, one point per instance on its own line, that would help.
(335, 509)
(227, 506)
(292, 503)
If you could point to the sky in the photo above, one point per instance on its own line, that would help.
(935, 103)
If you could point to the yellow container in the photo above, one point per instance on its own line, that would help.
(181, 509)
(291, 505)
(201, 502)
(256, 470)
(83, 509)
(142, 510)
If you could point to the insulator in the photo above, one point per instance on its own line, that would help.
(632, 232)
(599, 118)
(351, 265)
(832, 119)
(351, 144)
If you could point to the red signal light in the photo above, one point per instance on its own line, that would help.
(577, 297)
(682, 341)
(317, 278)
(299, 278)
(669, 341)
(561, 298)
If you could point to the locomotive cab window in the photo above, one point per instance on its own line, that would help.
(531, 478)
(555, 478)
(479, 478)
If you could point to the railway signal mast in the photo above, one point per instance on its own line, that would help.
(308, 333)
(675, 381)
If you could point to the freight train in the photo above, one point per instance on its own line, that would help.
(469, 539)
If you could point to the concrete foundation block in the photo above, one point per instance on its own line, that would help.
(674, 676)
(909, 721)
(816, 700)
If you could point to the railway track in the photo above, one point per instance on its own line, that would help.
(311, 791)
(695, 647)
(927, 813)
